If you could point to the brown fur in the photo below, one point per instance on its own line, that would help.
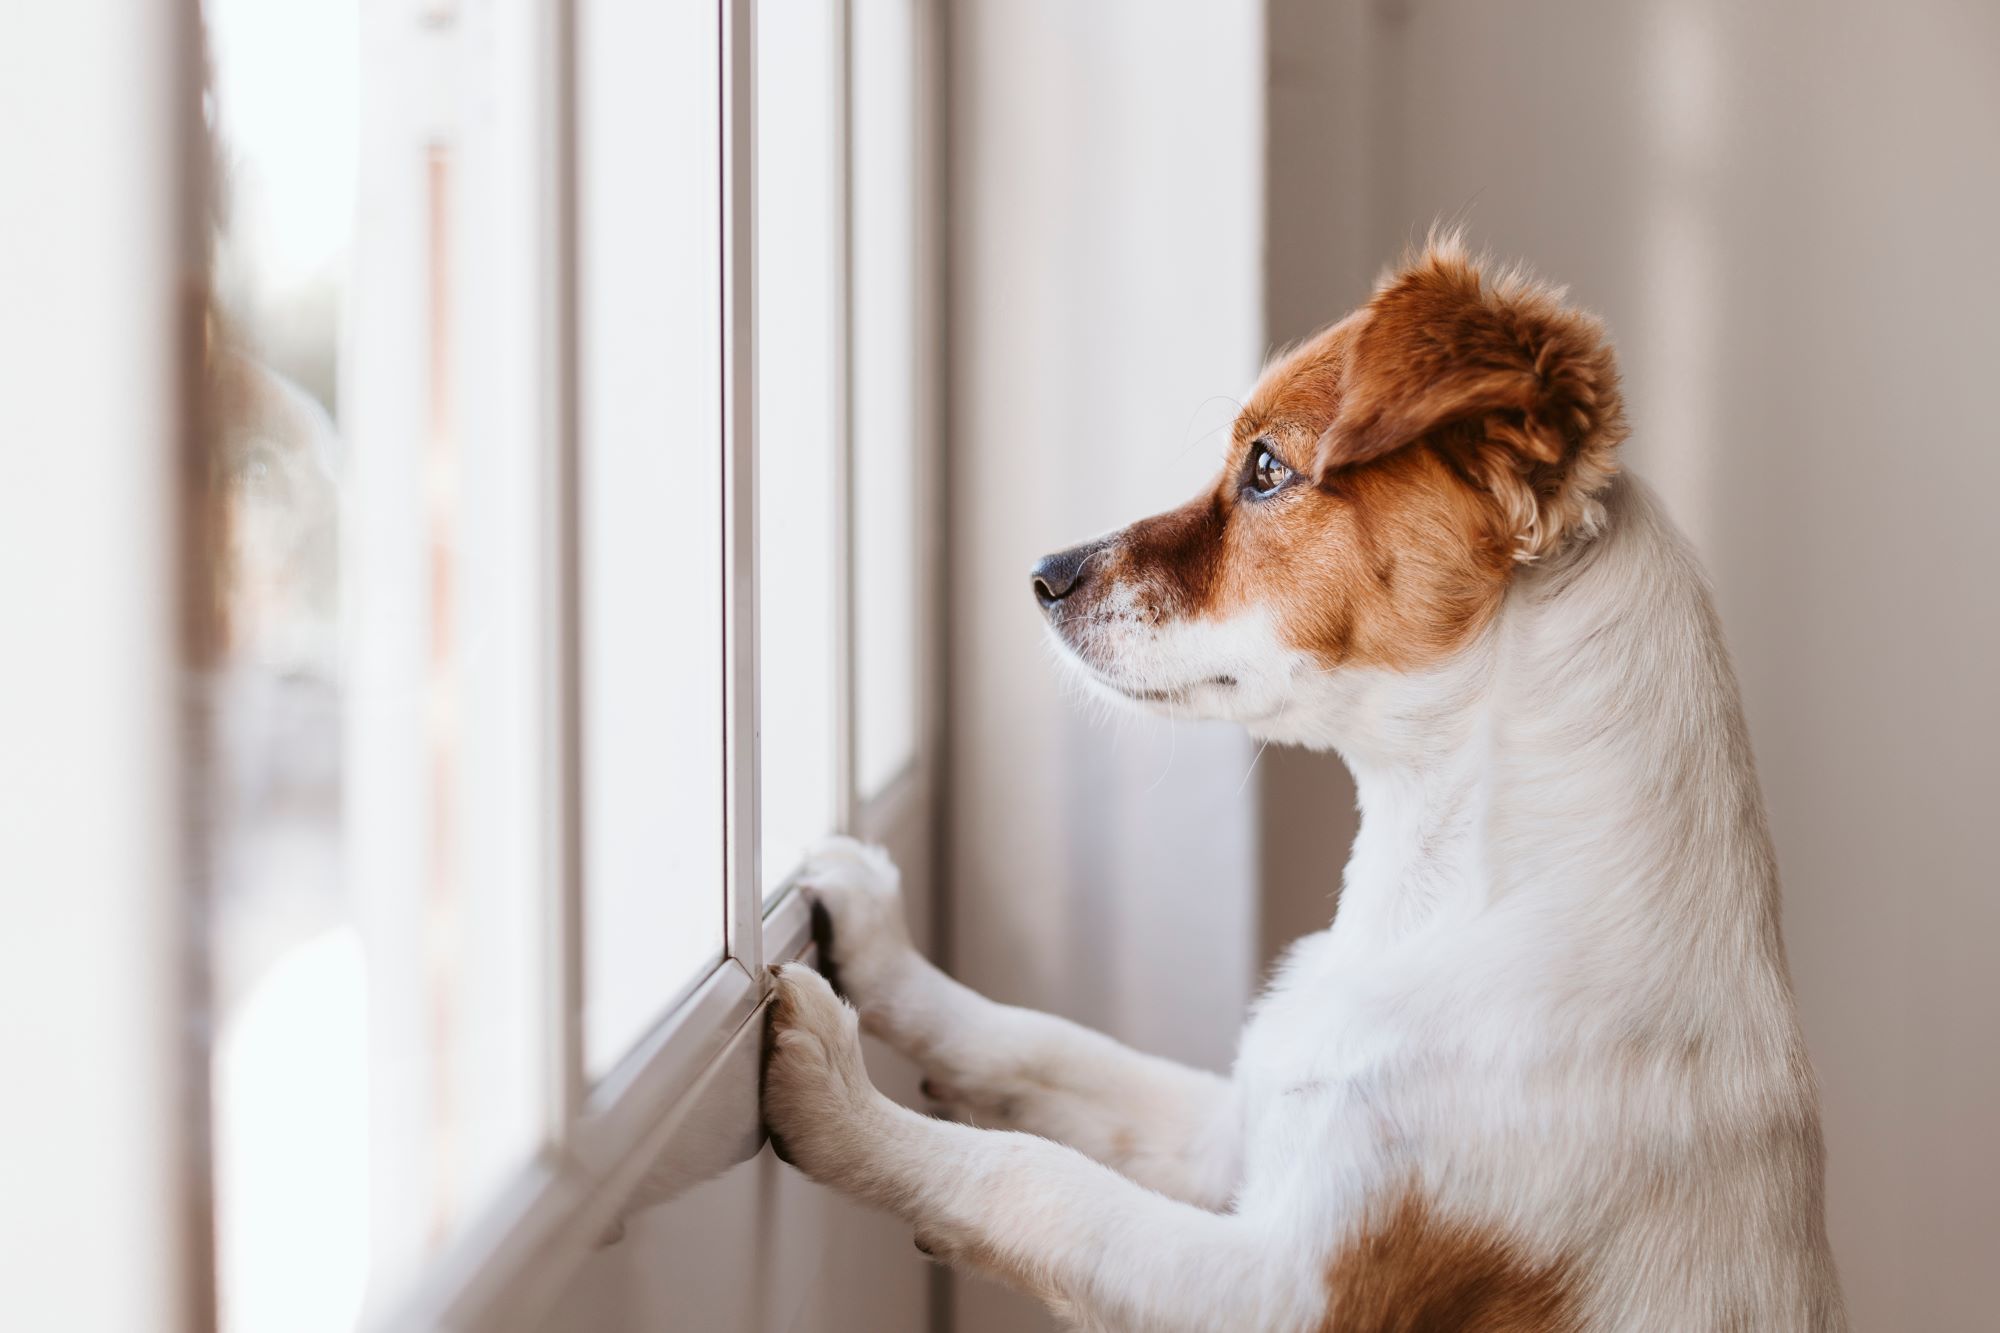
(1520, 388)
(1444, 432)
(1410, 1271)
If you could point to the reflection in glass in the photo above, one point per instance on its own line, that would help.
(374, 722)
(287, 966)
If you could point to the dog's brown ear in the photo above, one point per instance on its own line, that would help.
(1520, 388)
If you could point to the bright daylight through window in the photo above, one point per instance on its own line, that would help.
(799, 364)
(479, 772)
(377, 726)
(650, 362)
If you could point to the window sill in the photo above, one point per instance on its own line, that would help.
(680, 1110)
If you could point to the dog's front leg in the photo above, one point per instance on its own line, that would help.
(1169, 1127)
(1101, 1250)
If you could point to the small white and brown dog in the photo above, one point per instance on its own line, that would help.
(1543, 1072)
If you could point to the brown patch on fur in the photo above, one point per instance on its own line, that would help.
(1390, 566)
(1411, 1271)
(1446, 431)
(1521, 390)
(1175, 556)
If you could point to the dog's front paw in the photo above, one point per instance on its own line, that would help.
(821, 1111)
(857, 916)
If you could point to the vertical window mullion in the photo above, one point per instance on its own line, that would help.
(563, 591)
(739, 407)
(845, 782)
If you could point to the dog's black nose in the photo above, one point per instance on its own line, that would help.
(1059, 575)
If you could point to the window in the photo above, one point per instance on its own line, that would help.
(837, 356)
(649, 366)
(888, 480)
(378, 719)
(570, 586)
(801, 541)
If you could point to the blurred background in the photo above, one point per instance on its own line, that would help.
(284, 347)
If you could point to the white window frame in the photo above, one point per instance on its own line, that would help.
(508, 1266)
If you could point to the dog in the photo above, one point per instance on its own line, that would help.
(1544, 1070)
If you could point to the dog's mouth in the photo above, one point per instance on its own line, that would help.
(1097, 658)
(1175, 694)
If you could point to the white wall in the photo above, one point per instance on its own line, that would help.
(101, 1124)
(1106, 176)
(1784, 210)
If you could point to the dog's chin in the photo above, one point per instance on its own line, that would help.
(1235, 671)
(1192, 695)
(1207, 699)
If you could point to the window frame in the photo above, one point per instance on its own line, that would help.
(509, 1264)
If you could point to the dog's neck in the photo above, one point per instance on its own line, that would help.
(1588, 747)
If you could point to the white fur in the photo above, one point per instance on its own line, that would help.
(1554, 999)
(1235, 670)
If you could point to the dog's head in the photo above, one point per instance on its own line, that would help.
(1385, 479)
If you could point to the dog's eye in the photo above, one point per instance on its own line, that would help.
(1267, 474)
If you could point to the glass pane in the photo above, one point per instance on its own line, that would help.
(885, 401)
(798, 257)
(649, 239)
(375, 701)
